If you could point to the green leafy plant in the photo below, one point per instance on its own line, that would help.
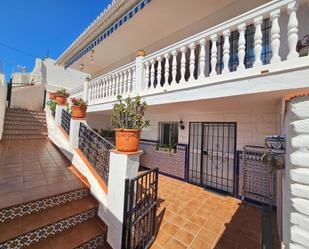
(78, 102)
(62, 92)
(276, 161)
(107, 133)
(52, 105)
(167, 147)
(129, 113)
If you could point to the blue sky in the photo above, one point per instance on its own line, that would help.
(40, 26)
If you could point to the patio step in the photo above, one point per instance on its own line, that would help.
(24, 124)
(66, 220)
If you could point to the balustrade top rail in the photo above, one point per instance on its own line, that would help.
(250, 40)
(96, 150)
(66, 121)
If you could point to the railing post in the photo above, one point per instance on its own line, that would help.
(122, 166)
(74, 132)
(85, 92)
(139, 84)
(58, 114)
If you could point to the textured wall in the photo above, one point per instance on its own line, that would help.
(296, 175)
(3, 91)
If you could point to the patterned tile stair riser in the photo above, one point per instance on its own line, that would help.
(49, 230)
(43, 204)
(93, 243)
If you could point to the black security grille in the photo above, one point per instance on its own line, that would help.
(139, 219)
(96, 149)
(66, 121)
(212, 152)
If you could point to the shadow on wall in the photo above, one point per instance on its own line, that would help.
(28, 97)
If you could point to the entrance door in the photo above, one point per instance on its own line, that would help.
(212, 153)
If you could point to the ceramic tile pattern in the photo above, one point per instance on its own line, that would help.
(191, 217)
(32, 169)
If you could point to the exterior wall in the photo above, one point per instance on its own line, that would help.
(3, 92)
(21, 78)
(295, 181)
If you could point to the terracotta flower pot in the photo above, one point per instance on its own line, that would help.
(78, 111)
(51, 95)
(61, 100)
(127, 140)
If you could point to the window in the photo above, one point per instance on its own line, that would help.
(249, 57)
(168, 133)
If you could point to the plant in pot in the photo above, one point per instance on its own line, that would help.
(52, 105)
(128, 120)
(52, 95)
(78, 108)
(61, 96)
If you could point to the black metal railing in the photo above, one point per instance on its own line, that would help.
(96, 150)
(139, 218)
(66, 121)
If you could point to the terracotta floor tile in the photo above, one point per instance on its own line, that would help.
(174, 244)
(198, 243)
(208, 235)
(178, 220)
(170, 228)
(191, 228)
(162, 238)
(34, 221)
(66, 239)
(184, 237)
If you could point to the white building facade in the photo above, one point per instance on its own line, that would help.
(215, 75)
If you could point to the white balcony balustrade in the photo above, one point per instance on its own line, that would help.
(232, 50)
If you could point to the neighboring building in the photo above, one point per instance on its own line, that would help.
(215, 76)
(21, 79)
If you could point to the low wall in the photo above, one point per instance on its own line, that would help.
(172, 164)
(295, 182)
(28, 97)
(3, 92)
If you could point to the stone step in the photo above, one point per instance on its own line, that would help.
(23, 137)
(26, 132)
(24, 112)
(26, 120)
(53, 224)
(42, 127)
(25, 123)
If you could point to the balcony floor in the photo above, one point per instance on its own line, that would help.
(192, 217)
(33, 169)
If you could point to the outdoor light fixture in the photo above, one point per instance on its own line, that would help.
(181, 125)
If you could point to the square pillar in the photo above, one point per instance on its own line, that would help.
(139, 83)
(58, 113)
(122, 166)
(74, 131)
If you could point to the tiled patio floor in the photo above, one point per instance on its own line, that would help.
(32, 169)
(191, 217)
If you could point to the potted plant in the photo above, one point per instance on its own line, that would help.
(52, 106)
(275, 156)
(51, 95)
(167, 148)
(78, 108)
(61, 96)
(128, 120)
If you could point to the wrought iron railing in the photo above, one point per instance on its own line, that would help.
(96, 150)
(65, 121)
(139, 218)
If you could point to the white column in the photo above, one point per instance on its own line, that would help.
(192, 60)
(152, 73)
(213, 60)
(139, 75)
(275, 36)
(85, 92)
(292, 30)
(58, 114)
(129, 79)
(167, 69)
(183, 64)
(159, 71)
(147, 71)
(258, 35)
(241, 47)
(121, 166)
(202, 58)
(74, 132)
(226, 51)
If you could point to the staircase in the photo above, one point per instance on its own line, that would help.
(24, 124)
(66, 220)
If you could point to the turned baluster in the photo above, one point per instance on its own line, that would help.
(292, 30)
(174, 67)
(152, 73)
(241, 47)
(275, 36)
(159, 71)
(213, 60)
(226, 51)
(183, 64)
(258, 35)
(133, 84)
(125, 82)
(113, 86)
(167, 69)
(129, 73)
(202, 58)
(147, 64)
(192, 47)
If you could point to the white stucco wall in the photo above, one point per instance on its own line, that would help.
(3, 92)
(296, 176)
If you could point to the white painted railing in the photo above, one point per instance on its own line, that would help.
(197, 60)
(110, 85)
(77, 92)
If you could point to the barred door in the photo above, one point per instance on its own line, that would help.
(212, 153)
(139, 219)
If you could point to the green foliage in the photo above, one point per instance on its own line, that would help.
(275, 161)
(62, 92)
(52, 105)
(129, 113)
(107, 133)
(78, 102)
